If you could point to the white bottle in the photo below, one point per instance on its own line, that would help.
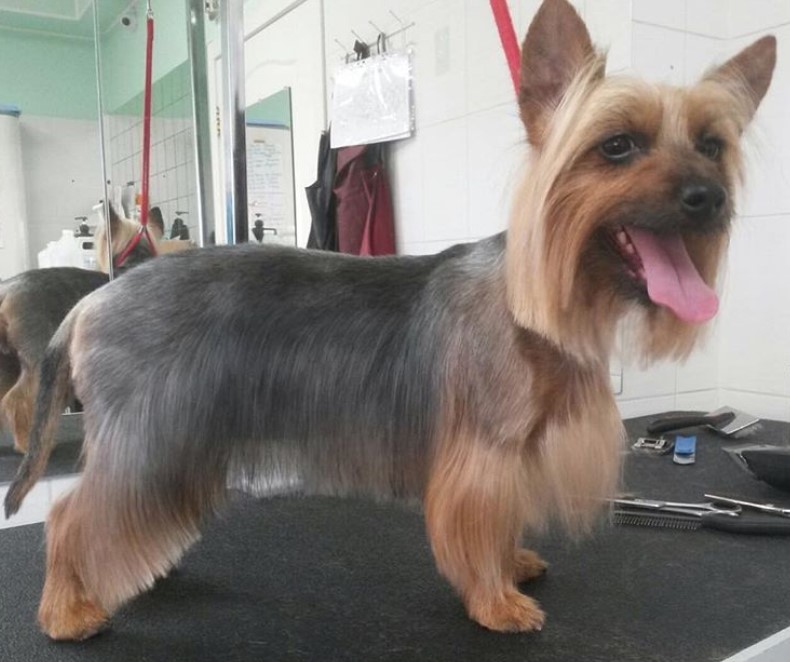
(68, 250)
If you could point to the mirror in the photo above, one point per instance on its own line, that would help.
(50, 181)
(49, 137)
(173, 208)
(270, 174)
(172, 182)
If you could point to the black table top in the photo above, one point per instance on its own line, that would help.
(327, 579)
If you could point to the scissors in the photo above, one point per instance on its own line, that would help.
(718, 505)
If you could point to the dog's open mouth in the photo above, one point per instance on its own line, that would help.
(663, 265)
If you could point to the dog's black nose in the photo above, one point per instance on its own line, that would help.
(702, 199)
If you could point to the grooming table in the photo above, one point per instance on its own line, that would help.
(325, 579)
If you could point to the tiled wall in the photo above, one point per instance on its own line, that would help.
(755, 341)
(452, 181)
(62, 176)
(172, 178)
(746, 363)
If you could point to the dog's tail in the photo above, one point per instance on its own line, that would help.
(54, 381)
(5, 345)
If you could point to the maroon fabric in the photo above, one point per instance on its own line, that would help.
(363, 203)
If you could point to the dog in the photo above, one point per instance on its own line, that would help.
(475, 380)
(34, 303)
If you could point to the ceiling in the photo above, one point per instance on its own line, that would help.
(63, 18)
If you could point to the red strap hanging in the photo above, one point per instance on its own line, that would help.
(507, 35)
(145, 178)
(149, 59)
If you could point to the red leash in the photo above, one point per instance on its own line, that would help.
(145, 179)
(507, 35)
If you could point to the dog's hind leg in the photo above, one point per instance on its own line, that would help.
(109, 540)
(17, 406)
(474, 508)
(67, 609)
(528, 565)
(9, 374)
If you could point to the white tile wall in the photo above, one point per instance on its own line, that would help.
(665, 13)
(453, 180)
(488, 81)
(746, 363)
(609, 23)
(708, 17)
(440, 62)
(755, 345)
(755, 351)
(630, 408)
(651, 40)
(707, 400)
(62, 176)
(496, 151)
(445, 192)
(750, 16)
(407, 173)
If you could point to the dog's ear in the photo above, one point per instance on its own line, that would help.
(556, 48)
(115, 220)
(749, 72)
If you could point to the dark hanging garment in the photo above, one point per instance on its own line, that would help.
(363, 202)
(323, 232)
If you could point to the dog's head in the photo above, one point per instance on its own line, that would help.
(122, 233)
(629, 199)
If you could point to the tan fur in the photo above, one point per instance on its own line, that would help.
(123, 232)
(553, 451)
(17, 408)
(18, 384)
(527, 432)
(98, 558)
(164, 246)
(545, 291)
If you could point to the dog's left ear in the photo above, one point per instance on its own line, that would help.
(556, 48)
(749, 72)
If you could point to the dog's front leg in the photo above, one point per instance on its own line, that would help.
(474, 509)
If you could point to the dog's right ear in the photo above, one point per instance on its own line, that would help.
(115, 220)
(556, 48)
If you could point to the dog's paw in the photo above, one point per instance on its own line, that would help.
(529, 565)
(510, 611)
(78, 622)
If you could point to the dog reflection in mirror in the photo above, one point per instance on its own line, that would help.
(32, 305)
(475, 379)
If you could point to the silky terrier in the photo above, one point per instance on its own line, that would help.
(475, 380)
(32, 306)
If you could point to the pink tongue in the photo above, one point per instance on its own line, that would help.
(672, 279)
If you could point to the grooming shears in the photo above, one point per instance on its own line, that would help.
(769, 508)
(720, 506)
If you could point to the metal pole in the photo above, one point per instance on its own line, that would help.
(201, 116)
(233, 124)
(102, 153)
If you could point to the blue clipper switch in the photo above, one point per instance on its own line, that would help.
(685, 450)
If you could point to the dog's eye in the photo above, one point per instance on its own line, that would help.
(618, 148)
(710, 147)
